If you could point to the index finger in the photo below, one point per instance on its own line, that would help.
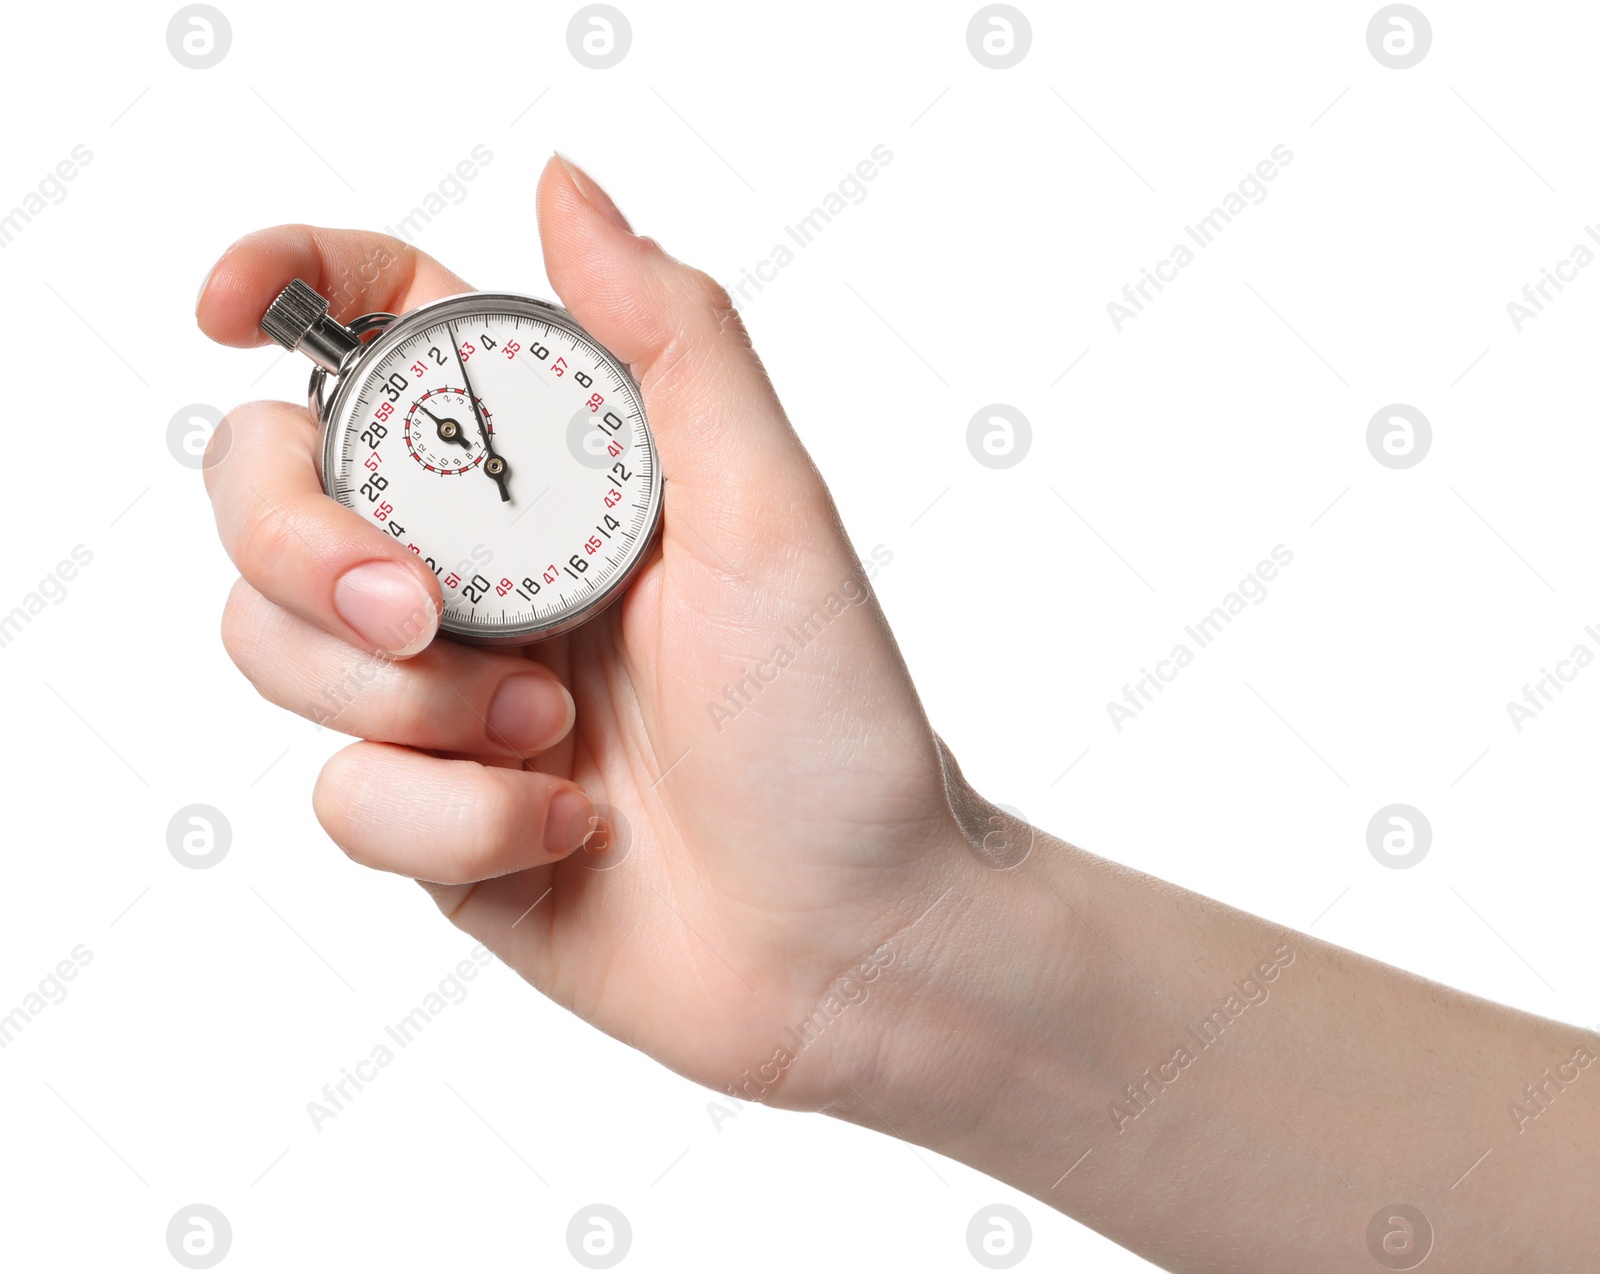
(358, 271)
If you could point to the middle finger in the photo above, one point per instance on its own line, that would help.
(449, 698)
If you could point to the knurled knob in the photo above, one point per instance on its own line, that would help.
(295, 312)
(299, 320)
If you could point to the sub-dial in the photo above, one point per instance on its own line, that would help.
(442, 433)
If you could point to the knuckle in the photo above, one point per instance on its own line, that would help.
(487, 825)
(219, 444)
(236, 626)
(339, 700)
(263, 541)
(704, 321)
(718, 306)
(709, 294)
(329, 800)
(410, 716)
(274, 540)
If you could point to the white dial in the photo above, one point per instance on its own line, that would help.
(500, 443)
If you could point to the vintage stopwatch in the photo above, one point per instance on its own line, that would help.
(494, 438)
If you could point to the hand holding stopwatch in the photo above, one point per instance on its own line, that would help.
(570, 419)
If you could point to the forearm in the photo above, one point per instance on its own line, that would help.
(1219, 1093)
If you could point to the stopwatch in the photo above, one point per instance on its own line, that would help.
(494, 438)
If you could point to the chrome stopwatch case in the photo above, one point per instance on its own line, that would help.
(494, 438)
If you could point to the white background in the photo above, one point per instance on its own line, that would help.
(1225, 420)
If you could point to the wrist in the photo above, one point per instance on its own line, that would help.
(992, 1008)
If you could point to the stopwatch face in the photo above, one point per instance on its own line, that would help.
(499, 442)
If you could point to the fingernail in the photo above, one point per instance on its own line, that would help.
(593, 195)
(568, 821)
(388, 606)
(529, 713)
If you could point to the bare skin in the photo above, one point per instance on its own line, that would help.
(818, 857)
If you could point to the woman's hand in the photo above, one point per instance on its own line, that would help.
(742, 719)
(795, 834)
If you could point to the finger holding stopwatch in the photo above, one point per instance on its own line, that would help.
(361, 272)
(450, 698)
(307, 553)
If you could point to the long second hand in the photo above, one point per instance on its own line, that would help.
(494, 465)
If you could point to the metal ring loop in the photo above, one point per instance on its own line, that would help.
(316, 397)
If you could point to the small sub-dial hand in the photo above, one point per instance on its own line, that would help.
(495, 465)
(447, 429)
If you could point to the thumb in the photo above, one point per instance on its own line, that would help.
(734, 466)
